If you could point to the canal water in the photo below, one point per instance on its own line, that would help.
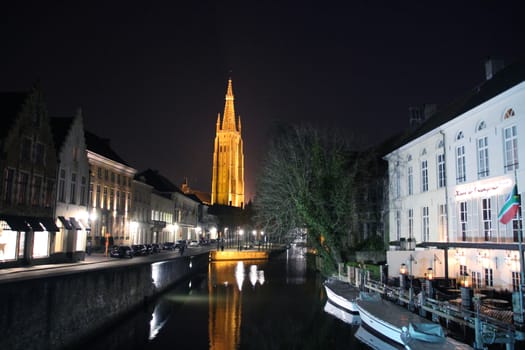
(275, 304)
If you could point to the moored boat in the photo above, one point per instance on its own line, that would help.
(402, 326)
(342, 314)
(342, 294)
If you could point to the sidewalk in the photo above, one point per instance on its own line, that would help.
(94, 258)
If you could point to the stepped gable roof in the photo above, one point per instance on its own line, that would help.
(101, 146)
(503, 80)
(10, 105)
(60, 128)
(158, 181)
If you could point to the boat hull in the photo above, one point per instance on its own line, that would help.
(342, 294)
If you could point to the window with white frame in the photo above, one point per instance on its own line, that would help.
(517, 227)
(424, 176)
(510, 139)
(441, 170)
(515, 281)
(461, 169)
(442, 212)
(487, 218)
(410, 223)
(489, 277)
(426, 225)
(483, 157)
(463, 220)
(73, 190)
(476, 279)
(62, 186)
(410, 177)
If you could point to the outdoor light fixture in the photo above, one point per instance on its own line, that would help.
(403, 269)
(430, 274)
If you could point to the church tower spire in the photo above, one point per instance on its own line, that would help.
(228, 157)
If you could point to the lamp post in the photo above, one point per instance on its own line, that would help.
(402, 277)
(430, 277)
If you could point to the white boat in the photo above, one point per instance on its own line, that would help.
(376, 343)
(342, 314)
(393, 322)
(342, 294)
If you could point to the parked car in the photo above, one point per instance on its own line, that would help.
(139, 249)
(121, 251)
(153, 248)
(168, 246)
(193, 243)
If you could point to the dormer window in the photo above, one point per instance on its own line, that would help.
(481, 126)
(459, 136)
(509, 114)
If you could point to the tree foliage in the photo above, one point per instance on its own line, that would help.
(308, 181)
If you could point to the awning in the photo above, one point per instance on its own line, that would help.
(49, 224)
(34, 223)
(65, 222)
(16, 223)
(75, 224)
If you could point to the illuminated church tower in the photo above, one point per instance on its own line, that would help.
(227, 186)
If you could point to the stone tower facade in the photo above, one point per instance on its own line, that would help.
(228, 157)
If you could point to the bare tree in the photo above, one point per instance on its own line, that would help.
(308, 181)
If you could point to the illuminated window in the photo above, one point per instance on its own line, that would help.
(510, 136)
(483, 157)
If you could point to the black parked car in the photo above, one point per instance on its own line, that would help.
(121, 251)
(139, 249)
(168, 246)
(153, 248)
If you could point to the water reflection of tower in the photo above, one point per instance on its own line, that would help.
(225, 306)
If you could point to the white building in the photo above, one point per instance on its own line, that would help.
(72, 187)
(449, 180)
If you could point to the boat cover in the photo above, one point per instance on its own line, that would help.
(428, 332)
(366, 296)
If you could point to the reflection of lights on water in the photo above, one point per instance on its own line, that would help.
(156, 323)
(239, 274)
(261, 277)
(253, 275)
(189, 285)
(190, 264)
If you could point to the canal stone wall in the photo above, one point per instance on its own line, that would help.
(55, 312)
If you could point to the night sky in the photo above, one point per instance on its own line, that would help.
(152, 76)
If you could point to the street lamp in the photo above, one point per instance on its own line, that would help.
(430, 277)
(402, 276)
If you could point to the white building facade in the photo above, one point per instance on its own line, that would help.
(448, 184)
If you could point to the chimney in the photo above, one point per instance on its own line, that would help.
(492, 66)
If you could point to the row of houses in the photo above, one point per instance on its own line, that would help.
(448, 180)
(64, 188)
